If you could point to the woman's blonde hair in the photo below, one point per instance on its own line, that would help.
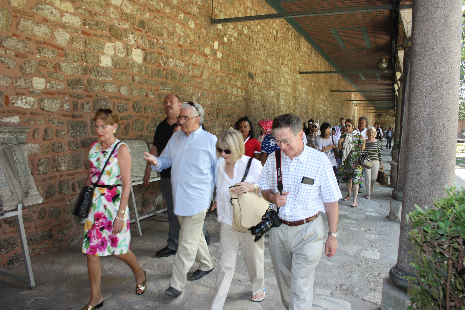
(107, 116)
(232, 140)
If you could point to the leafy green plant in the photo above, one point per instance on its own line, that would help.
(438, 235)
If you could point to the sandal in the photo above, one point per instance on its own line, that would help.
(140, 288)
(347, 198)
(256, 297)
(354, 205)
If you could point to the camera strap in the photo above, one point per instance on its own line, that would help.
(279, 176)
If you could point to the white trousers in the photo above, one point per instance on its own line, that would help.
(295, 253)
(254, 257)
(371, 175)
(192, 247)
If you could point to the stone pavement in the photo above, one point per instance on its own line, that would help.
(352, 279)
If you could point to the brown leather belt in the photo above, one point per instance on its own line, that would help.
(298, 223)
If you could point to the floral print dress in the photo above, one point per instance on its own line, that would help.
(351, 168)
(98, 237)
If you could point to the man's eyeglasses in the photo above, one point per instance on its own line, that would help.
(184, 118)
(285, 141)
(314, 126)
(227, 152)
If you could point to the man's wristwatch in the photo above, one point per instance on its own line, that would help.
(334, 234)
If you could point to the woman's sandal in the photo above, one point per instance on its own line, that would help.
(140, 288)
(354, 205)
(347, 198)
(100, 305)
(256, 297)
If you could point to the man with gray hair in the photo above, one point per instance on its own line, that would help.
(309, 187)
(191, 154)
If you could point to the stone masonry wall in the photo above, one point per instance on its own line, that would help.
(62, 60)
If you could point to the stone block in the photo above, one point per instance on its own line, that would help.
(10, 63)
(122, 107)
(23, 82)
(15, 44)
(395, 211)
(48, 133)
(46, 52)
(392, 297)
(72, 56)
(73, 68)
(95, 44)
(58, 147)
(5, 80)
(64, 187)
(57, 122)
(100, 73)
(101, 103)
(73, 145)
(86, 107)
(122, 76)
(105, 61)
(155, 29)
(36, 133)
(54, 75)
(24, 102)
(77, 129)
(138, 125)
(54, 213)
(5, 19)
(47, 11)
(38, 83)
(95, 5)
(149, 109)
(54, 85)
(115, 32)
(126, 129)
(152, 125)
(8, 244)
(15, 259)
(109, 87)
(50, 104)
(76, 84)
(61, 37)
(29, 67)
(137, 106)
(141, 24)
(71, 20)
(93, 24)
(120, 63)
(89, 58)
(93, 86)
(50, 191)
(46, 63)
(42, 31)
(60, 134)
(86, 143)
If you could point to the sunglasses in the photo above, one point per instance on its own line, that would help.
(227, 152)
(193, 105)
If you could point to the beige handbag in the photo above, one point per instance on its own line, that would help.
(248, 208)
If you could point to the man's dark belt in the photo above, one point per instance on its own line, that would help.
(298, 223)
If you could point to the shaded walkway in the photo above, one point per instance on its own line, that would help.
(352, 279)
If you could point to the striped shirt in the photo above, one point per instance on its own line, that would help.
(304, 200)
(374, 150)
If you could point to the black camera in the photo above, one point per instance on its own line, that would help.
(269, 219)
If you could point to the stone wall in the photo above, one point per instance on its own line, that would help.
(62, 60)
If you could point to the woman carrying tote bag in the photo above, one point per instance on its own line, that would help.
(230, 147)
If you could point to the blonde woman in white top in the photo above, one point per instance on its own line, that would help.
(230, 147)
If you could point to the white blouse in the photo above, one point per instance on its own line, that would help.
(223, 182)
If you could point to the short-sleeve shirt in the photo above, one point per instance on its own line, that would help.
(304, 200)
(162, 135)
(268, 145)
(252, 146)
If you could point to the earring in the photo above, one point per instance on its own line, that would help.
(114, 130)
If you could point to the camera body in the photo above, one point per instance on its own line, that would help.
(269, 220)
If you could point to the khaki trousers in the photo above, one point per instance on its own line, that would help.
(254, 257)
(192, 248)
(371, 175)
(295, 253)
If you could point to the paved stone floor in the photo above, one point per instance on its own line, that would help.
(352, 279)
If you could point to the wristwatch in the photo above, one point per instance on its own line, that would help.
(334, 234)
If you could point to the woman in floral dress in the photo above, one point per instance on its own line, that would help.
(106, 229)
(351, 144)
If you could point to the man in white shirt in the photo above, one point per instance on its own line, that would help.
(191, 154)
(362, 126)
(309, 187)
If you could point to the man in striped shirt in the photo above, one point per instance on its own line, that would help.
(309, 187)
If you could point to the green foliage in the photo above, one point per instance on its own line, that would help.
(438, 237)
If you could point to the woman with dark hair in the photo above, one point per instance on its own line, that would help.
(106, 229)
(252, 146)
(326, 144)
(351, 144)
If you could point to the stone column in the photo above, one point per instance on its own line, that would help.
(432, 114)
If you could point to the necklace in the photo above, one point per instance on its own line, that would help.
(106, 149)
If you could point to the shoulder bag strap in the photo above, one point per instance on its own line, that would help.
(103, 169)
(247, 169)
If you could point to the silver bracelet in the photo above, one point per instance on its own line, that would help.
(119, 218)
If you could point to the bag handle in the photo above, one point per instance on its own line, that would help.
(247, 169)
(279, 176)
(103, 169)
